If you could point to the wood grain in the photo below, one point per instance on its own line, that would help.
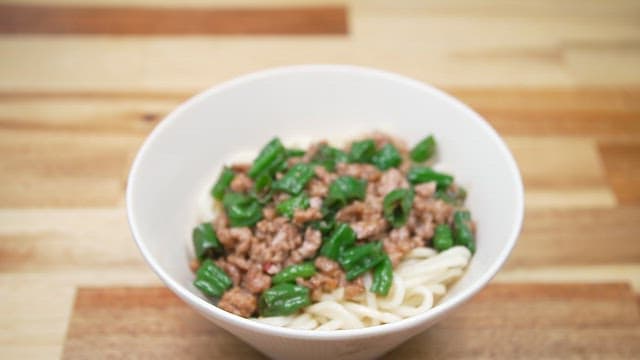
(582, 236)
(577, 320)
(612, 113)
(595, 113)
(559, 80)
(622, 162)
(40, 19)
(46, 167)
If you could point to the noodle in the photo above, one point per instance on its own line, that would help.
(418, 282)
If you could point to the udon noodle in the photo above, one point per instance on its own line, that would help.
(419, 281)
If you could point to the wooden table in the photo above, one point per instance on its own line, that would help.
(80, 88)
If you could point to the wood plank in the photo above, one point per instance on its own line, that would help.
(144, 322)
(587, 274)
(622, 163)
(55, 240)
(127, 114)
(35, 311)
(64, 169)
(596, 113)
(569, 198)
(559, 163)
(598, 320)
(582, 236)
(42, 19)
(600, 113)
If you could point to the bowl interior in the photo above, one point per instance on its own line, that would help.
(182, 157)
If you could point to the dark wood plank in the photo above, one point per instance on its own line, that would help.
(40, 19)
(503, 321)
(622, 164)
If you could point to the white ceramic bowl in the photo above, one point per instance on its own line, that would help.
(181, 157)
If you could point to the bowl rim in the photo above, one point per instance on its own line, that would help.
(211, 310)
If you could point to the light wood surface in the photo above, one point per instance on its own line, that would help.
(560, 81)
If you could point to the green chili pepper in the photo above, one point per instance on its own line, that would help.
(295, 179)
(422, 174)
(362, 151)
(345, 189)
(382, 277)
(351, 256)
(423, 150)
(328, 157)
(270, 160)
(359, 259)
(452, 197)
(211, 280)
(397, 206)
(341, 238)
(462, 234)
(283, 299)
(443, 237)
(324, 225)
(364, 265)
(387, 157)
(292, 272)
(295, 153)
(262, 189)
(205, 241)
(231, 198)
(289, 206)
(222, 184)
(241, 209)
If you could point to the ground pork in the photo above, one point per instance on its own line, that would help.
(241, 183)
(238, 239)
(303, 216)
(425, 190)
(327, 266)
(328, 278)
(239, 261)
(399, 242)
(323, 175)
(366, 220)
(313, 150)
(255, 280)
(309, 247)
(269, 212)
(240, 167)
(234, 273)
(317, 188)
(315, 202)
(382, 139)
(361, 171)
(390, 180)
(293, 161)
(352, 289)
(239, 301)
(440, 211)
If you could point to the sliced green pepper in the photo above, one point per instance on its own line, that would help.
(292, 272)
(423, 150)
(222, 184)
(211, 280)
(423, 174)
(205, 241)
(397, 206)
(387, 157)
